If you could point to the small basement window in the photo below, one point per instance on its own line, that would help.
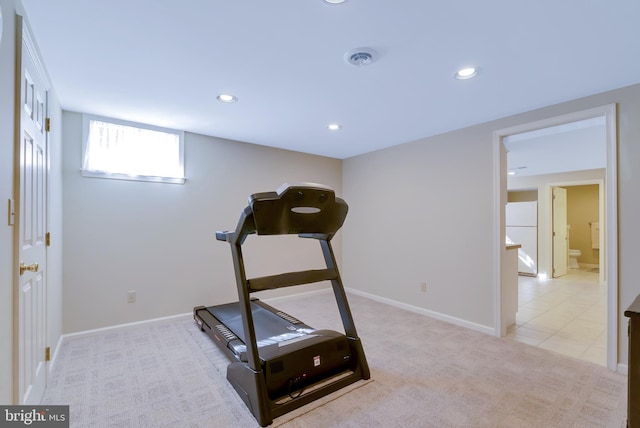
(131, 151)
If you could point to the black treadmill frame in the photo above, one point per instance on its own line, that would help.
(310, 211)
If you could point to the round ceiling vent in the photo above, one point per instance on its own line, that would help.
(361, 56)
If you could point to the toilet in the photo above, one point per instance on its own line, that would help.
(573, 259)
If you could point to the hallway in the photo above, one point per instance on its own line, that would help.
(565, 315)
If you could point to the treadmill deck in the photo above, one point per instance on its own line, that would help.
(271, 326)
(292, 354)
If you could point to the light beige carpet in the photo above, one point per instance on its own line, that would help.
(425, 373)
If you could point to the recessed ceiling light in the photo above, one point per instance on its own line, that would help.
(335, 1)
(334, 127)
(466, 73)
(226, 98)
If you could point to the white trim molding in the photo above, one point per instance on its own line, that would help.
(431, 314)
(126, 325)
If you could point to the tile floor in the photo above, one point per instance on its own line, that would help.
(566, 315)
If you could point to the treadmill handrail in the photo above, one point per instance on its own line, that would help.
(290, 279)
(223, 235)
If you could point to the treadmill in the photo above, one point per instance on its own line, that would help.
(278, 363)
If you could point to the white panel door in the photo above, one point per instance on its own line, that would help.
(560, 244)
(31, 226)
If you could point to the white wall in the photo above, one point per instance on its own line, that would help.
(8, 265)
(159, 239)
(422, 212)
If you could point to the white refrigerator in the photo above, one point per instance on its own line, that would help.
(522, 228)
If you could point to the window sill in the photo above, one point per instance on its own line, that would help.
(115, 176)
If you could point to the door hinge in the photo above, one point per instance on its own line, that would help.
(47, 124)
(47, 239)
(47, 354)
(12, 212)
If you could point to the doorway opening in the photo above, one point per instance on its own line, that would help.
(564, 311)
(607, 115)
(585, 227)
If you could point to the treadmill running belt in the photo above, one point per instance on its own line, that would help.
(269, 327)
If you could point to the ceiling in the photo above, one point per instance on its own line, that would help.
(163, 62)
(574, 146)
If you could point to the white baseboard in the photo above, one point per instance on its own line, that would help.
(432, 314)
(123, 326)
(161, 319)
(405, 306)
(55, 353)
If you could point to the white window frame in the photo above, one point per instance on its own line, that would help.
(87, 118)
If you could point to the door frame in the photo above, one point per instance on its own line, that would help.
(545, 243)
(554, 243)
(609, 112)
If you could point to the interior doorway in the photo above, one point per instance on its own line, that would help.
(586, 228)
(608, 115)
(566, 313)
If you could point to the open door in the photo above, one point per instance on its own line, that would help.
(32, 162)
(560, 241)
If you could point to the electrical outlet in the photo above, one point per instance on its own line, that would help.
(423, 287)
(131, 296)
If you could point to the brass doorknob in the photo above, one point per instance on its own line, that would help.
(30, 268)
